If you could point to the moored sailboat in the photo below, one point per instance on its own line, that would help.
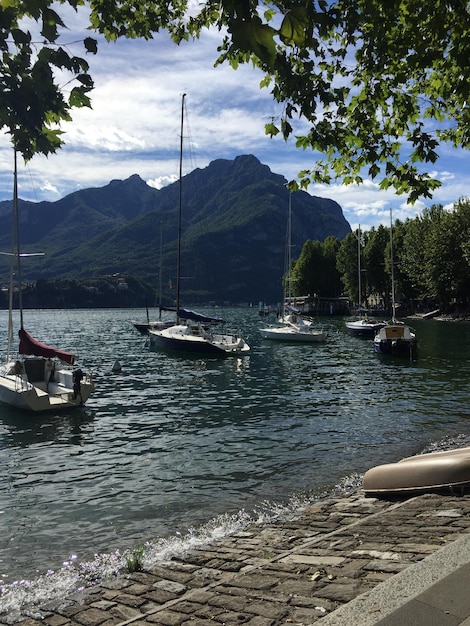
(292, 326)
(395, 338)
(193, 332)
(40, 378)
(362, 327)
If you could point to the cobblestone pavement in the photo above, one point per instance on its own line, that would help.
(293, 572)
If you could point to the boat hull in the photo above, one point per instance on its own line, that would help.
(144, 327)
(396, 340)
(291, 334)
(36, 395)
(435, 471)
(196, 340)
(364, 328)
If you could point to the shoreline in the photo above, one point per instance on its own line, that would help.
(300, 570)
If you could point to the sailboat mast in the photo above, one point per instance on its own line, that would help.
(16, 217)
(392, 269)
(160, 273)
(359, 281)
(178, 254)
(289, 249)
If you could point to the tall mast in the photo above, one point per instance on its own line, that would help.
(289, 249)
(359, 265)
(178, 254)
(391, 262)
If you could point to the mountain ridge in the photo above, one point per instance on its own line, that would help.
(233, 231)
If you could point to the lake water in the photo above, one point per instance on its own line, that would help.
(174, 451)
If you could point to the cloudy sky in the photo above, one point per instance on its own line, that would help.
(133, 128)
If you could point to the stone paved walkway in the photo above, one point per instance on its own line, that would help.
(293, 572)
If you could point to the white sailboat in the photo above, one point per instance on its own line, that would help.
(362, 327)
(292, 326)
(40, 378)
(193, 332)
(395, 338)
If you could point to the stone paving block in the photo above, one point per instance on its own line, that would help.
(70, 610)
(273, 610)
(254, 581)
(299, 587)
(122, 612)
(160, 596)
(130, 600)
(91, 617)
(421, 548)
(166, 618)
(229, 617)
(104, 605)
(386, 566)
(229, 602)
(177, 571)
(319, 604)
(110, 594)
(56, 620)
(138, 589)
(259, 621)
(341, 592)
(352, 568)
(305, 616)
(188, 607)
(317, 560)
(169, 585)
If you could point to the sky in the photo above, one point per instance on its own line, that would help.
(133, 128)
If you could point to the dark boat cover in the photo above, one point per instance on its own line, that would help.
(29, 345)
(186, 314)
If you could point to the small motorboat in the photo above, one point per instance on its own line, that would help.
(435, 471)
(364, 327)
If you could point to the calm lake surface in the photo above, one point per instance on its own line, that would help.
(173, 450)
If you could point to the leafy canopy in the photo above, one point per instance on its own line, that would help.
(32, 100)
(379, 85)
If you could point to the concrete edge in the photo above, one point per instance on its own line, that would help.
(372, 606)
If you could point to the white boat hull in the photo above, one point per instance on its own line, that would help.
(364, 327)
(196, 339)
(435, 471)
(289, 333)
(39, 396)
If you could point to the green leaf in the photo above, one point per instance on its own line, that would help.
(78, 98)
(91, 45)
(295, 28)
(271, 130)
(255, 38)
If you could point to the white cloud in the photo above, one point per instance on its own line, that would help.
(133, 128)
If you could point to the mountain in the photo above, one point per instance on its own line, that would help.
(233, 232)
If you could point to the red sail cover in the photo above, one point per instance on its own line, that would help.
(29, 345)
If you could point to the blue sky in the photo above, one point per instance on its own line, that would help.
(133, 128)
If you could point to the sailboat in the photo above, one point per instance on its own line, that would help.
(292, 326)
(395, 338)
(193, 332)
(362, 327)
(40, 378)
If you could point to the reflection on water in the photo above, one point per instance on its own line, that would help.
(170, 443)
